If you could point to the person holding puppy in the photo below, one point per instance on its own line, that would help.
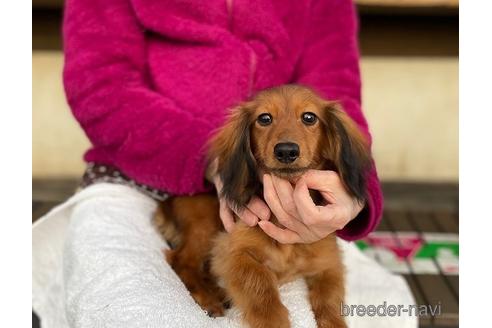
(149, 81)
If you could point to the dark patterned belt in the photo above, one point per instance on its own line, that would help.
(98, 173)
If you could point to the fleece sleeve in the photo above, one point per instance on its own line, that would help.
(330, 64)
(137, 129)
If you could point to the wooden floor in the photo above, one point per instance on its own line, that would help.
(417, 238)
(423, 246)
(381, 34)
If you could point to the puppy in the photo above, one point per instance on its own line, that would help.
(283, 131)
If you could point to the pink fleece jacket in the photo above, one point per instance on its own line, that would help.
(150, 80)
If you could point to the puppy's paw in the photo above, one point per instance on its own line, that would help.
(213, 307)
(325, 321)
(169, 254)
(271, 316)
(204, 292)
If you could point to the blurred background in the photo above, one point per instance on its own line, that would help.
(410, 97)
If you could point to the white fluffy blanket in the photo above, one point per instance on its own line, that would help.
(97, 262)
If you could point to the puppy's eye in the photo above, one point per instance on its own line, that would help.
(265, 119)
(309, 118)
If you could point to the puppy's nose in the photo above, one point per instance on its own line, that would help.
(286, 152)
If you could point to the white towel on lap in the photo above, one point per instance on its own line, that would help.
(98, 262)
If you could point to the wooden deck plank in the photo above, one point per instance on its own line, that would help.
(437, 288)
(399, 221)
(454, 282)
(41, 208)
(423, 222)
(383, 226)
(53, 189)
(437, 293)
(415, 285)
(445, 221)
(419, 298)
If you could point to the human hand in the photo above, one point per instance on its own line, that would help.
(294, 208)
(253, 212)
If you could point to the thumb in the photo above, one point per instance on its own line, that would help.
(323, 181)
(319, 179)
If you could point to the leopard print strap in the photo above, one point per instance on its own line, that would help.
(97, 173)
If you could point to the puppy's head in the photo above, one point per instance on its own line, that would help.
(285, 131)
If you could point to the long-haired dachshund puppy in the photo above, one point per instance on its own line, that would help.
(283, 131)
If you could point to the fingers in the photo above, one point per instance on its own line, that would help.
(259, 208)
(312, 214)
(226, 216)
(285, 194)
(225, 212)
(319, 179)
(308, 211)
(284, 236)
(323, 181)
(275, 205)
(247, 217)
(271, 197)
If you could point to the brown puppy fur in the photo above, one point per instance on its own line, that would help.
(251, 264)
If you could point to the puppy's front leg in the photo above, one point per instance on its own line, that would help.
(253, 289)
(326, 293)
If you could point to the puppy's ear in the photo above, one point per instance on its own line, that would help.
(236, 165)
(347, 149)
